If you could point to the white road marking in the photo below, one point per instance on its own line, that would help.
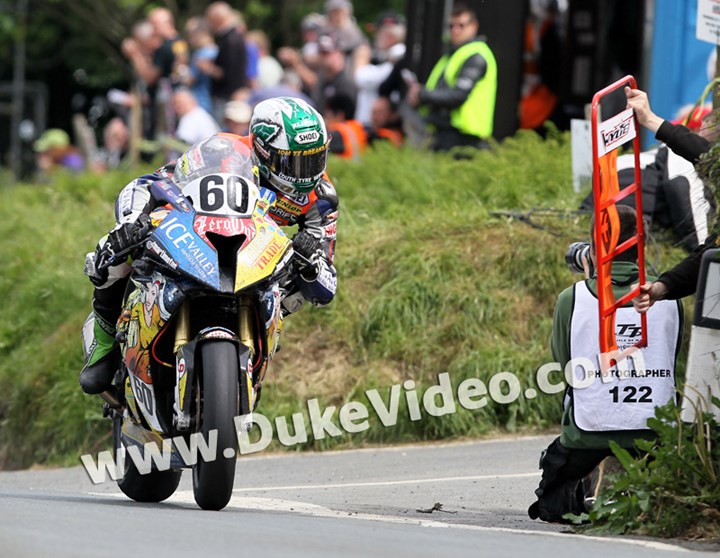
(385, 483)
(248, 503)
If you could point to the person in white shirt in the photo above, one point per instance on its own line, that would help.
(194, 122)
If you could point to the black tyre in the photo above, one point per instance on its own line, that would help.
(218, 405)
(156, 486)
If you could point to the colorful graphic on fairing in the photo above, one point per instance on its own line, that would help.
(147, 310)
(273, 323)
(177, 235)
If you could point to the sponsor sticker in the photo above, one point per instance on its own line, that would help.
(307, 137)
(615, 132)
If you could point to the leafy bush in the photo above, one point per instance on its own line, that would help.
(672, 490)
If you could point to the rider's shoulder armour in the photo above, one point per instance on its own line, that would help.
(327, 197)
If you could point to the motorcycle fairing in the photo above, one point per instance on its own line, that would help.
(176, 234)
(146, 311)
(260, 257)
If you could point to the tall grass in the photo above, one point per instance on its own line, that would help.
(431, 280)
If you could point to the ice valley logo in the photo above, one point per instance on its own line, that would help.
(307, 137)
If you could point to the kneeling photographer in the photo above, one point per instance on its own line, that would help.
(612, 408)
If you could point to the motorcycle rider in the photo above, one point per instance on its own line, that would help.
(289, 143)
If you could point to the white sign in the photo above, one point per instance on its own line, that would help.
(615, 132)
(581, 151)
(708, 21)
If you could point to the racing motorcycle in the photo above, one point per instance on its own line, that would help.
(200, 323)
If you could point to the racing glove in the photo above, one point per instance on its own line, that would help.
(307, 247)
(126, 235)
(305, 244)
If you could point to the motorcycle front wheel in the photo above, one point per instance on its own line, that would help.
(217, 405)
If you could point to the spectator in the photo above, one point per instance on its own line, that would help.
(194, 122)
(385, 123)
(460, 92)
(342, 24)
(253, 54)
(53, 151)
(172, 52)
(269, 69)
(293, 61)
(312, 27)
(229, 70)
(140, 49)
(237, 117)
(116, 141)
(203, 48)
(372, 68)
(334, 77)
(348, 136)
(604, 409)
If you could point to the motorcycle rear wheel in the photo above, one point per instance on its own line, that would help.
(156, 486)
(218, 405)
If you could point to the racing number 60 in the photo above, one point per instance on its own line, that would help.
(212, 196)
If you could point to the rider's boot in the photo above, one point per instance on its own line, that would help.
(102, 357)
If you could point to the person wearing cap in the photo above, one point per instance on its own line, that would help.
(342, 24)
(53, 150)
(458, 99)
(311, 26)
(334, 76)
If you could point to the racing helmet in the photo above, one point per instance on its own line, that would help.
(290, 143)
(222, 152)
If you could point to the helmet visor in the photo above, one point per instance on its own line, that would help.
(301, 168)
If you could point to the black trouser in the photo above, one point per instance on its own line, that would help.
(561, 489)
(107, 304)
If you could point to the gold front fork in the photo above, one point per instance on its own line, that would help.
(246, 324)
(182, 328)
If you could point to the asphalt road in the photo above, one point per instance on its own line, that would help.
(331, 504)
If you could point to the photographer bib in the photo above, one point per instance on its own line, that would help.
(626, 397)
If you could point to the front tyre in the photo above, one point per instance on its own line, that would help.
(217, 396)
(156, 486)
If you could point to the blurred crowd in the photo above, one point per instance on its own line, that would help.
(206, 75)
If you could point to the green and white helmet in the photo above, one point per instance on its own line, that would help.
(290, 142)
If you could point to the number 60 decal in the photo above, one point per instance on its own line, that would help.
(223, 194)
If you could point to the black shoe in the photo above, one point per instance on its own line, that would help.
(98, 377)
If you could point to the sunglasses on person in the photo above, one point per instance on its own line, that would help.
(460, 24)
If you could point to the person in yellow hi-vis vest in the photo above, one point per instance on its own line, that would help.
(458, 100)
